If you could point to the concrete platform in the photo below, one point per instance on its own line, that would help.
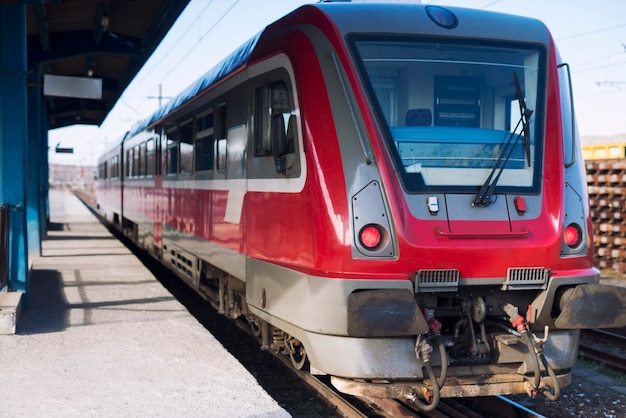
(102, 337)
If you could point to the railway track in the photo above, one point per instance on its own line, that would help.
(605, 346)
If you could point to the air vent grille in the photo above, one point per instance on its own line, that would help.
(437, 280)
(526, 278)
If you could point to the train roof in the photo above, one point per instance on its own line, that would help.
(431, 20)
(225, 67)
(352, 18)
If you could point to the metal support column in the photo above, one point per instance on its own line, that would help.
(13, 138)
(44, 177)
(35, 159)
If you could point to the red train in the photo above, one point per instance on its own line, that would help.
(393, 195)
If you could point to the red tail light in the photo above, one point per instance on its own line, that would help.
(371, 236)
(572, 235)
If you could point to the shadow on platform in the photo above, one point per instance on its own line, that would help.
(58, 226)
(47, 307)
(49, 310)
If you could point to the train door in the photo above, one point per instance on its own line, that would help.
(152, 193)
(276, 208)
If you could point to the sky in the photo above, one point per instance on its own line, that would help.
(590, 36)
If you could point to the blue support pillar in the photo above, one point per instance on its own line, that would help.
(13, 138)
(35, 159)
(44, 177)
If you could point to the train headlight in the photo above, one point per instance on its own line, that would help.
(371, 227)
(575, 240)
(371, 236)
(573, 235)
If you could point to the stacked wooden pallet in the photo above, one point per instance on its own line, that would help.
(606, 181)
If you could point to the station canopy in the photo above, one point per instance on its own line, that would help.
(103, 40)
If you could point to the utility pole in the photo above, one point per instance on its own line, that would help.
(160, 96)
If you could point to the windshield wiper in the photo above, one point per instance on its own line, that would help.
(525, 114)
(484, 195)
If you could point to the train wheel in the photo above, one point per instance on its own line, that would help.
(297, 353)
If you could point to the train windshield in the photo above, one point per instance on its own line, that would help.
(457, 114)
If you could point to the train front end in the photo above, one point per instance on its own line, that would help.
(484, 206)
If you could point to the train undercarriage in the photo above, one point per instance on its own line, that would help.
(467, 351)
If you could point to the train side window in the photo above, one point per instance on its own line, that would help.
(142, 159)
(150, 157)
(115, 173)
(171, 153)
(128, 164)
(221, 154)
(221, 121)
(125, 166)
(136, 159)
(272, 100)
(262, 139)
(204, 141)
(103, 172)
(185, 139)
(221, 144)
